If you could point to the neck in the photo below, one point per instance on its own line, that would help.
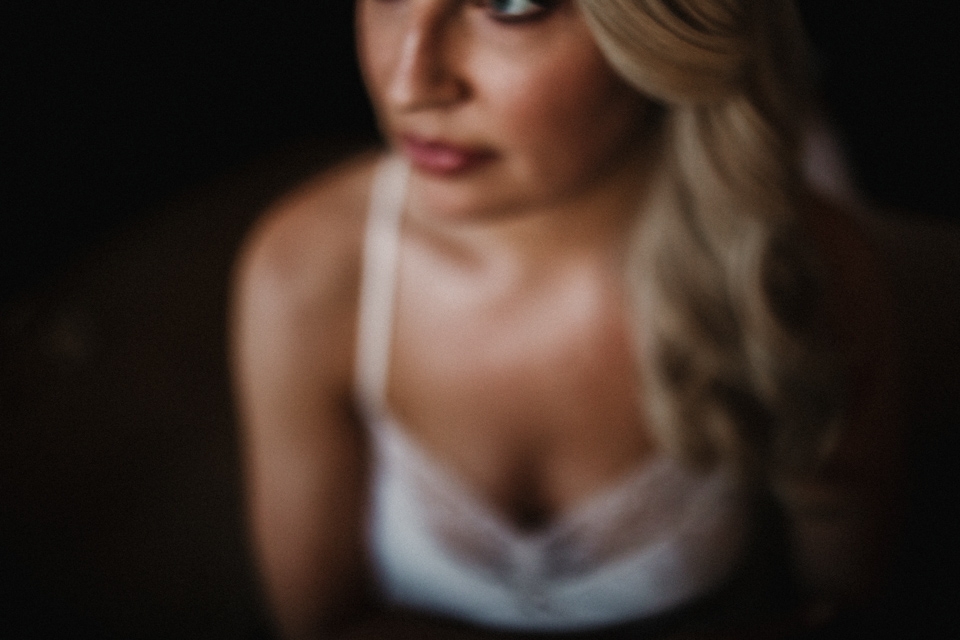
(594, 221)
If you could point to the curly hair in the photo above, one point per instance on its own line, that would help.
(727, 287)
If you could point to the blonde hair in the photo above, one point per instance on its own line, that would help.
(728, 289)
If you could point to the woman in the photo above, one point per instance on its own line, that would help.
(541, 364)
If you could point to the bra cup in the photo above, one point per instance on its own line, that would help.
(661, 537)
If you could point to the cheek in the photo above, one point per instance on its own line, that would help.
(568, 115)
(377, 45)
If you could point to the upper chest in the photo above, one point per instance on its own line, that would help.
(527, 388)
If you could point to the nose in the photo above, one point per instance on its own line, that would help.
(425, 74)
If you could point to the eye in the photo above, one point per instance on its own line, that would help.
(518, 10)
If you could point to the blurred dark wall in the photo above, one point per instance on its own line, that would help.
(113, 108)
(890, 77)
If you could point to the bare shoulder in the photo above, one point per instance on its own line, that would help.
(295, 286)
(297, 273)
(861, 314)
(846, 246)
(859, 296)
(306, 245)
(292, 332)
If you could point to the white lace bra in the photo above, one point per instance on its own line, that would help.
(657, 539)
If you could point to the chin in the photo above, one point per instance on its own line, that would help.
(452, 200)
(461, 197)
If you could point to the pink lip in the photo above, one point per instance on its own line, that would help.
(442, 158)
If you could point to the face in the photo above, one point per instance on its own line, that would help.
(498, 104)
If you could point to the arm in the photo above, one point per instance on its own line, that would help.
(303, 456)
(292, 346)
(844, 522)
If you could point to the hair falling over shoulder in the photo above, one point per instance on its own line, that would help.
(727, 287)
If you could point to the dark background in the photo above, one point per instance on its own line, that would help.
(139, 139)
(115, 108)
(111, 109)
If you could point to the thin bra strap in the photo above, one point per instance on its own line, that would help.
(378, 282)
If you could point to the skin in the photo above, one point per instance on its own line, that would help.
(510, 358)
(499, 245)
(521, 90)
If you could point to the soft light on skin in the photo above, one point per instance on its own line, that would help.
(541, 119)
